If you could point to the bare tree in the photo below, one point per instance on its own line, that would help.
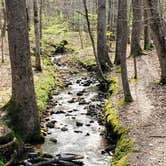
(158, 28)
(22, 106)
(147, 32)
(37, 35)
(122, 27)
(102, 49)
(136, 28)
(3, 30)
(101, 75)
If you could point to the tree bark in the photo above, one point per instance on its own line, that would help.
(37, 35)
(3, 30)
(158, 28)
(122, 28)
(147, 34)
(100, 72)
(136, 49)
(22, 107)
(102, 50)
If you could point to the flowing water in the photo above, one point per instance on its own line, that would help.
(77, 128)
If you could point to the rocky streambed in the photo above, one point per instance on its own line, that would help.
(74, 120)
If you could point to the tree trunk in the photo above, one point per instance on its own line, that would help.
(28, 13)
(3, 30)
(109, 14)
(136, 28)
(122, 28)
(37, 36)
(147, 34)
(100, 72)
(102, 50)
(22, 107)
(158, 28)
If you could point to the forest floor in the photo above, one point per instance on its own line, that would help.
(145, 117)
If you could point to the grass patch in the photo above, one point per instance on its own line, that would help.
(124, 144)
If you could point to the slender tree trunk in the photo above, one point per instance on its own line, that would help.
(3, 30)
(137, 28)
(147, 33)
(158, 28)
(101, 75)
(41, 18)
(102, 50)
(122, 28)
(28, 13)
(22, 107)
(109, 14)
(118, 45)
(37, 36)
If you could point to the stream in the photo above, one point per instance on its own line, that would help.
(74, 122)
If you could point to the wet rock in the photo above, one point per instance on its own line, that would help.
(67, 84)
(78, 81)
(91, 110)
(108, 149)
(68, 115)
(33, 155)
(87, 83)
(47, 119)
(70, 111)
(80, 93)
(73, 100)
(55, 92)
(101, 122)
(87, 134)
(69, 93)
(44, 133)
(50, 124)
(75, 110)
(52, 112)
(82, 101)
(49, 132)
(79, 124)
(54, 140)
(46, 155)
(88, 125)
(73, 117)
(84, 78)
(60, 112)
(78, 131)
(64, 129)
(92, 121)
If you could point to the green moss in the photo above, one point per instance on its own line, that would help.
(114, 87)
(44, 84)
(1, 163)
(124, 144)
(123, 161)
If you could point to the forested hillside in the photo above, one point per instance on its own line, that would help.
(83, 82)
